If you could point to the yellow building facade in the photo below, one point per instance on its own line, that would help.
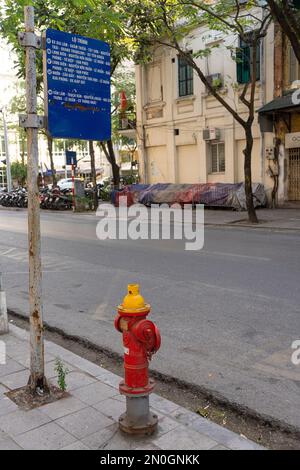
(184, 134)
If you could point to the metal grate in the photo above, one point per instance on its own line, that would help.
(294, 174)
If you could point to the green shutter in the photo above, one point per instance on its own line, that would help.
(243, 68)
(246, 64)
(238, 66)
(258, 62)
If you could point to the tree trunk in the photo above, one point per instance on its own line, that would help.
(50, 150)
(110, 155)
(37, 381)
(93, 172)
(288, 21)
(248, 175)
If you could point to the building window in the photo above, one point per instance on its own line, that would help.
(185, 78)
(60, 147)
(294, 66)
(218, 157)
(244, 61)
(2, 148)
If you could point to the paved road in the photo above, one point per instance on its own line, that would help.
(228, 314)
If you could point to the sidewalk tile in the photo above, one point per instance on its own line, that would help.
(9, 444)
(94, 393)
(220, 447)
(17, 350)
(120, 398)
(240, 443)
(50, 371)
(3, 435)
(10, 367)
(84, 422)
(185, 439)
(110, 379)
(111, 408)
(47, 437)
(6, 405)
(19, 333)
(24, 358)
(62, 407)
(162, 404)
(73, 359)
(165, 424)
(77, 445)
(184, 416)
(148, 447)
(2, 390)
(15, 380)
(77, 379)
(21, 421)
(81, 363)
(111, 438)
(221, 435)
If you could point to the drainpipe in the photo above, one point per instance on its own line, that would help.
(141, 127)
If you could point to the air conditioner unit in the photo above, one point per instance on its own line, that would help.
(213, 37)
(215, 80)
(211, 134)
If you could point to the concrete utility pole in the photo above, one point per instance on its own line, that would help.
(8, 172)
(3, 310)
(37, 381)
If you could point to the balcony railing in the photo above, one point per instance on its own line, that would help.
(127, 121)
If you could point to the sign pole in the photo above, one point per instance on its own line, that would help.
(3, 310)
(73, 186)
(37, 381)
(7, 156)
(66, 168)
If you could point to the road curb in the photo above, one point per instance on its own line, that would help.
(254, 227)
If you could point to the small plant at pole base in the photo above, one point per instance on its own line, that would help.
(62, 372)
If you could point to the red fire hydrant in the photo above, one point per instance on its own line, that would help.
(141, 339)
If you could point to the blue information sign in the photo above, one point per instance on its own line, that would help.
(77, 86)
(71, 157)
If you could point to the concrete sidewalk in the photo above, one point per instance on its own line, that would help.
(87, 419)
(276, 219)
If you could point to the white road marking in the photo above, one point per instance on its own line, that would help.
(234, 255)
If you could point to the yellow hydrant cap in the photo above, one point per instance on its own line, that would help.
(133, 301)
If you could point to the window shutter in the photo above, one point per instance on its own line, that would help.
(239, 66)
(185, 77)
(246, 64)
(293, 66)
(258, 61)
(214, 158)
(244, 57)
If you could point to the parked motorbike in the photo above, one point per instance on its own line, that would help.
(55, 199)
(15, 198)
